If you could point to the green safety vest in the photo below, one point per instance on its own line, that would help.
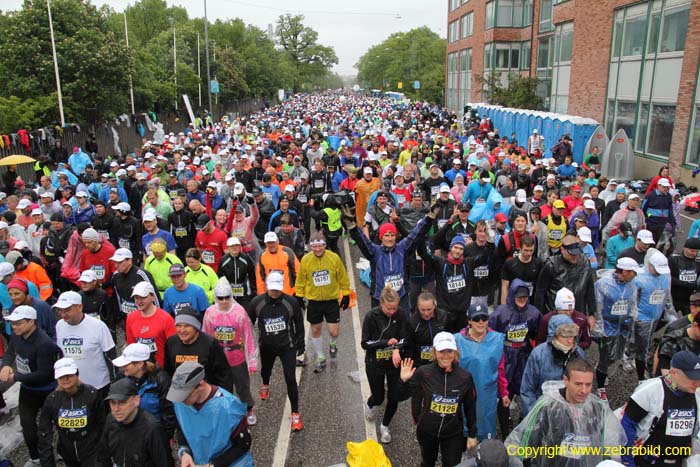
(334, 223)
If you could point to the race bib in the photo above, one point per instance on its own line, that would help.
(237, 290)
(124, 243)
(150, 342)
(224, 333)
(267, 195)
(99, 271)
(394, 281)
(444, 405)
(128, 307)
(275, 325)
(480, 201)
(688, 275)
(517, 332)
(619, 308)
(72, 419)
(173, 194)
(481, 272)
(555, 234)
(180, 232)
(208, 256)
(456, 283)
(22, 365)
(573, 446)
(434, 190)
(72, 347)
(425, 351)
(401, 198)
(321, 278)
(318, 184)
(302, 198)
(384, 354)
(186, 358)
(680, 422)
(657, 297)
(104, 233)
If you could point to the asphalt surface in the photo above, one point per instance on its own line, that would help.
(331, 403)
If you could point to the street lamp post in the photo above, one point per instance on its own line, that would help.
(55, 67)
(206, 52)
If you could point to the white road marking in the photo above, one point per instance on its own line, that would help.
(370, 429)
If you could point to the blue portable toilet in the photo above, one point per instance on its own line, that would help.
(521, 128)
(550, 139)
(509, 121)
(583, 129)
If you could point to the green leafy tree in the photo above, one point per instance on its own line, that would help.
(310, 60)
(521, 92)
(406, 57)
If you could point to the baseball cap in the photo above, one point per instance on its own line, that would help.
(520, 196)
(522, 291)
(21, 245)
(149, 216)
(24, 203)
(121, 254)
(122, 390)
(692, 243)
(500, 217)
(491, 452)
(289, 188)
(271, 237)
(275, 281)
(589, 204)
(47, 194)
(444, 188)
(37, 212)
(64, 367)
(368, 170)
(612, 182)
(68, 299)
(660, 263)
(202, 221)
(233, 241)
(584, 234)
(444, 341)
(6, 269)
(538, 188)
(565, 300)
(627, 264)
(176, 270)
(576, 188)
(464, 207)
(687, 362)
(664, 182)
(559, 204)
(695, 299)
(633, 196)
(143, 289)
(124, 207)
(136, 352)
(238, 189)
(573, 248)
(22, 312)
(185, 379)
(646, 237)
(88, 276)
(477, 310)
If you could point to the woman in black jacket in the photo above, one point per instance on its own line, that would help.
(423, 326)
(383, 333)
(442, 395)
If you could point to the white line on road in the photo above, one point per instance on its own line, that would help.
(370, 429)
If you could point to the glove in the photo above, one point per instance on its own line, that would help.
(434, 211)
(345, 302)
(300, 302)
(348, 217)
(300, 350)
(490, 235)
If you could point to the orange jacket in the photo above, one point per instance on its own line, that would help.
(284, 261)
(36, 274)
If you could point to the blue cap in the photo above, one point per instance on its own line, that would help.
(688, 363)
(477, 310)
(507, 162)
(458, 240)
(556, 321)
(621, 190)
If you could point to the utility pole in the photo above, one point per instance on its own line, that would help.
(55, 67)
(131, 83)
(199, 71)
(175, 65)
(206, 52)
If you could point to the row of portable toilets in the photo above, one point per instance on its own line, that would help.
(617, 154)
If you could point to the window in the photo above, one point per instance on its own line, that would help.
(452, 80)
(624, 117)
(527, 13)
(490, 14)
(561, 67)
(465, 77)
(507, 57)
(633, 36)
(642, 121)
(661, 129)
(454, 31)
(565, 40)
(617, 38)
(502, 57)
(454, 4)
(546, 16)
(464, 2)
(525, 55)
(467, 25)
(504, 13)
(488, 56)
(674, 29)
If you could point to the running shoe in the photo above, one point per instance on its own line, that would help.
(296, 422)
(369, 413)
(252, 417)
(264, 392)
(384, 434)
(333, 350)
(320, 364)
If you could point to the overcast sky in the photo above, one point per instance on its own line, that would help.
(349, 27)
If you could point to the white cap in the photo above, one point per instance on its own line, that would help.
(612, 182)
(88, 276)
(6, 269)
(633, 196)
(275, 281)
(584, 233)
(24, 203)
(660, 263)
(64, 367)
(22, 312)
(121, 173)
(149, 216)
(565, 300)
(181, 165)
(205, 172)
(131, 168)
(664, 182)
(115, 164)
(124, 207)
(646, 237)
(538, 161)
(196, 160)
(140, 176)
(444, 188)
(238, 189)
(68, 299)
(538, 188)
(456, 161)
(574, 164)
(228, 177)
(368, 170)
(47, 194)
(233, 241)
(520, 196)
(589, 204)
(143, 289)
(21, 245)
(444, 341)
(627, 264)
(37, 212)
(121, 254)
(211, 184)
(136, 352)
(290, 188)
(91, 234)
(551, 177)
(271, 237)
(534, 132)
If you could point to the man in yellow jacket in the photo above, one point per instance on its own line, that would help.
(322, 279)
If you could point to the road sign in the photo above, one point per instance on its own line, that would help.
(416, 84)
(400, 85)
(214, 87)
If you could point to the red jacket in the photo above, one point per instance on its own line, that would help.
(212, 245)
(100, 263)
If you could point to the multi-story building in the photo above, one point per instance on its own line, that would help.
(627, 64)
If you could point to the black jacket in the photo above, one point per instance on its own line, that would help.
(106, 226)
(240, 272)
(123, 286)
(128, 233)
(684, 280)
(206, 351)
(377, 330)
(439, 400)
(153, 389)
(33, 358)
(557, 273)
(270, 314)
(141, 443)
(419, 339)
(79, 420)
(182, 226)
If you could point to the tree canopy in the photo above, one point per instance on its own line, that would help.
(520, 93)
(95, 64)
(406, 57)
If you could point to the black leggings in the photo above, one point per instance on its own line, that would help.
(289, 365)
(430, 445)
(375, 377)
(30, 403)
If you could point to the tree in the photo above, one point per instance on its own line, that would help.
(521, 92)
(416, 55)
(310, 60)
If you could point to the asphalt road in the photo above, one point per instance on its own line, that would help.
(331, 403)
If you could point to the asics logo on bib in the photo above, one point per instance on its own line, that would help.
(677, 413)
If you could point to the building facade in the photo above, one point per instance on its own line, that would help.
(627, 64)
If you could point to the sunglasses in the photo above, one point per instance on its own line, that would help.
(228, 297)
(480, 318)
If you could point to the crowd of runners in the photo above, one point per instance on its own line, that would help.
(140, 293)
